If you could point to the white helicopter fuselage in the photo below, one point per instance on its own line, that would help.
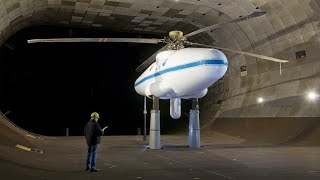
(184, 73)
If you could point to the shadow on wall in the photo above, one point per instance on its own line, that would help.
(314, 20)
(207, 118)
(286, 77)
(264, 131)
(310, 43)
(275, 122)
(282, 107)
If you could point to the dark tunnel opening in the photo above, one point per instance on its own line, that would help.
(46, 88)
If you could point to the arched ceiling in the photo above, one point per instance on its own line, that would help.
(161, 16)
(289, 26)
(148, 16)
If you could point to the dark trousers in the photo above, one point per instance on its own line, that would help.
(92, 156)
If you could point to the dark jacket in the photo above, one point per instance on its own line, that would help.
(92, 132)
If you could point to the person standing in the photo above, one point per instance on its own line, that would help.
(92, 133)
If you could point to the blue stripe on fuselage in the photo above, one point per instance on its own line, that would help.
(185, 66)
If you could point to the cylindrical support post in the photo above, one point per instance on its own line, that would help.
(194, 126)
(145, 119)
(67, 131)
(154, 140)
(194, 129)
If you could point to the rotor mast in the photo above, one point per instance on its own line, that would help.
(175, 40)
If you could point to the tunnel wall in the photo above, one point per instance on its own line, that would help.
(11, 135)
(270, 131)
(289, 27)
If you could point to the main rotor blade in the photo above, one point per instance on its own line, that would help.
(241, 52)
(250, 16)
(150, 60)
(100, 40)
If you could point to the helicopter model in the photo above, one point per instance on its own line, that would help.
(177, 72)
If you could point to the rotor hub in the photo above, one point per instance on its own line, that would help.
(175, 40)
(175, 34)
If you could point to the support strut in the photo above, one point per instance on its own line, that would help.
(154, 141)
(194, 125)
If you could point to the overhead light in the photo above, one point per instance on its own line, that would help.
(312, 95)
(260, 100)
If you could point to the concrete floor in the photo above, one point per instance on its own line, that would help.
(232, 149)
(127, 157)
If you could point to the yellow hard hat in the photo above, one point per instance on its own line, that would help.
(95, 115)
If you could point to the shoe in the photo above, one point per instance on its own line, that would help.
(88, 169)
(95, 170)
